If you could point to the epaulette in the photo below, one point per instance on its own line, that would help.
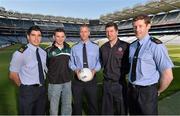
(22, 48)
(134, 41)
(94, 42)
(43, 48)
(157, 41)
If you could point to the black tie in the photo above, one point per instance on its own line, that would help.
(85, 61)
(41, 75)
(133, 72)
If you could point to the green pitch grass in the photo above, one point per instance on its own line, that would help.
(9, 92)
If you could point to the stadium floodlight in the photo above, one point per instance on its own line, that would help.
(2, 9)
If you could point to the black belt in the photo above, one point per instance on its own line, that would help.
(111, 81)
(35, 85)
(140, 86)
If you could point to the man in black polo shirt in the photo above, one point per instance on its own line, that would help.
(59, 74)
(114, 59)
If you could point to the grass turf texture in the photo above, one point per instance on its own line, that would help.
(9, 92)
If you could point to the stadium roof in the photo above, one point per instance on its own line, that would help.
(39, 17)
(152, 7)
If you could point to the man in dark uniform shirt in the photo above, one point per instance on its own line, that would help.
(114, 59)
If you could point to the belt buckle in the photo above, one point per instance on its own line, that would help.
(40, 85)
(134, 86)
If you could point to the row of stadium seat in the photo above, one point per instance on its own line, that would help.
(160, 19)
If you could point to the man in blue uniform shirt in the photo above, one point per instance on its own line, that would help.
(27, 71)
(150, 64)
(77, 62)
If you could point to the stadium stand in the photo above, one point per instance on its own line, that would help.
(165, 17)
(4, 42)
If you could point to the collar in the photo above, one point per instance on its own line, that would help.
(65, 45)
(32, 47)
(144, 40)
(87, 42)
(116, 44)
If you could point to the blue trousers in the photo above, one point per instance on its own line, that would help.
(87, 89)
(32, 100)
(114, 98)
(143, 100)
(57, 92)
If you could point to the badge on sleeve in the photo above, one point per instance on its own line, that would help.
(22, 48)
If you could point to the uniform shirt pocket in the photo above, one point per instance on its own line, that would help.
(77, 61)
(147, 65)
(32, 65)
(31, 68)
(92, 55)
(118, 58)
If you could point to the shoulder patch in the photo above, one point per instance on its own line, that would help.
(22, 48)
(133, 41)
(157, 41)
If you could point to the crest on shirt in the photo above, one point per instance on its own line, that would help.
(120, 49)
(53, 53)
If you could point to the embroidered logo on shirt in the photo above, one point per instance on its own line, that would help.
(53, 53)
(120, 51)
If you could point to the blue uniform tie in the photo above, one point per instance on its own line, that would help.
(85, 61)
(41, 74)
(133, 72)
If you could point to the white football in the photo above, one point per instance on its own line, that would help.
(85, 75)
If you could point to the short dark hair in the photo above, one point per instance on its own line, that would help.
(144, 17)
(59, 30)
(33, 28)
(111, 24)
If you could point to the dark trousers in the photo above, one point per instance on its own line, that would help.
(143, 100)
(114, 98)
(32, 100)
(89, 89)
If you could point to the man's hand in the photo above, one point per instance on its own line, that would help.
(77, 73)
(15, 78)
(93, 72)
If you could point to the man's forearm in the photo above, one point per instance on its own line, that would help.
(15, 78)
(165, 80)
